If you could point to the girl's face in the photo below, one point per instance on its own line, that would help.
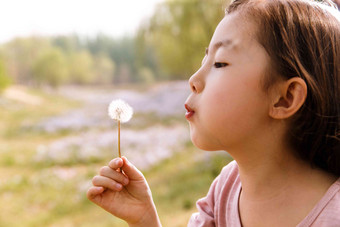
(228, 107)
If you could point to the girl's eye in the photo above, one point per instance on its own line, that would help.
(220, 64)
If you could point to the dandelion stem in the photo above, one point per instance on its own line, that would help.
(119, 140)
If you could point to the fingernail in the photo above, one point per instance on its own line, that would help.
(117, 162)
(125, 181)
(118, 186)
(126, 160)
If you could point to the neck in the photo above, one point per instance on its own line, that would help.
(269, 177)
(272, 173)
(270, 169)
(274, 181)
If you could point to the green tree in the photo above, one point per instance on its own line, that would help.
(146, 57)
(21, 54)
(121, 51)
(104, 69)
(67, 44)
(51, 68)
(4, 77)
(146, 75)
(81, 67)
(179, 31)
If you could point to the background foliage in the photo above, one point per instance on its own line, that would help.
(49, 138)
(169, 45)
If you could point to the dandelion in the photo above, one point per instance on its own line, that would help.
(121, 112)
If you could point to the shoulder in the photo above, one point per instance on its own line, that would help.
(230, 169)
(229, 174)
(326, 212)
(220, 204)
(227, 182)
(331, 211)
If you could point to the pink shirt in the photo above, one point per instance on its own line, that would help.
(220, 206)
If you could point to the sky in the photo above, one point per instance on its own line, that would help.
(21, 18)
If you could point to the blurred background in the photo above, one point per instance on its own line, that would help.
(61, 64)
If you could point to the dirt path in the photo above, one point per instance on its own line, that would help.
(18, 93)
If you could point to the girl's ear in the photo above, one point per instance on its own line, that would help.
(289, 97)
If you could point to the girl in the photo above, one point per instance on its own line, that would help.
(268, 93)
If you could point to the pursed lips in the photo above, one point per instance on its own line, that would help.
(190, 112)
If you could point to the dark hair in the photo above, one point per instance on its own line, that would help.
(302, 38)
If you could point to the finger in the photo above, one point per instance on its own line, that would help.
(114, 175)
(116, 163)
(131, 171)
(106, 182)
(93, 192)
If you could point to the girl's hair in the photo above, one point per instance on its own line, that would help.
(302, 38)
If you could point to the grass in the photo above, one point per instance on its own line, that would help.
(181, 180)
(50, 194)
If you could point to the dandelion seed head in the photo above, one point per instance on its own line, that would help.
(119, 110)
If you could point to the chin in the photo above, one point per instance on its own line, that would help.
(203, 145)
(203, 141)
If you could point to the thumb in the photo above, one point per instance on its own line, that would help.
(131, 171)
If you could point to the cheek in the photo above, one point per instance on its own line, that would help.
(224, 101)
(215, 113)
(233, 109)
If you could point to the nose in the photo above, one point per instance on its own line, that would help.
(196, 81)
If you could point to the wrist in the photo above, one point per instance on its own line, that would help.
(150, 219)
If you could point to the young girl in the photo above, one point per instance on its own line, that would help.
(268, 93)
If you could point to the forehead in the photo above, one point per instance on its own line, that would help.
(233, 32)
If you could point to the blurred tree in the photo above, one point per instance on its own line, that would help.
(82, 68)
(122, 53)
(51, 68)
(146, 57)
(20, 54)
(82, 49)
(169, 45)
(179, 31)
(68, 44)
(104, 69)
(146, 76)
(4, 78)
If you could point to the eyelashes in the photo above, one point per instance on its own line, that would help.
(216, 64)
(220, 64)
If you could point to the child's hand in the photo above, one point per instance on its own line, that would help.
(125, 195)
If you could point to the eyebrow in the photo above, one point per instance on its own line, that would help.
(224, 43)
